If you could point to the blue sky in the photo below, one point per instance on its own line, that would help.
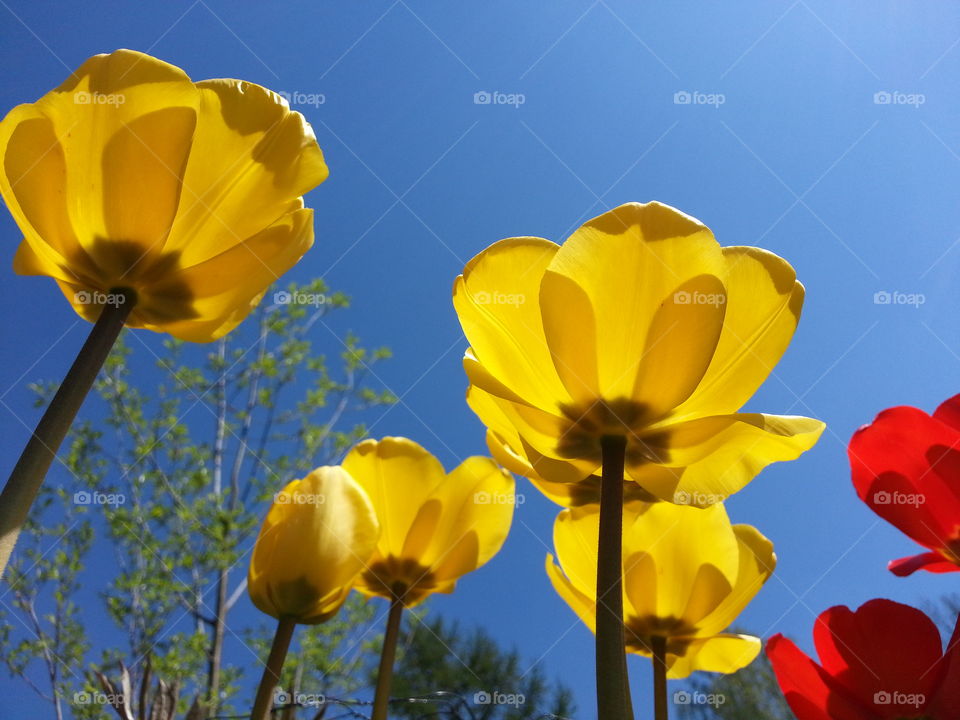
(787, 143)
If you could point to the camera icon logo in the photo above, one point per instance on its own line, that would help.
(882, 697)
(682, 697)
(882, 97)
(682, 97)
(82, 497)
(282, 297)
(482, 698)
(482, 98)
(881, 297)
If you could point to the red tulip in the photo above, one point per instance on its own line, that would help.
(906, 467)
(883, 661)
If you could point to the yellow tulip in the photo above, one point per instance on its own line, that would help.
(131, 176)
(317, 537)
(437, 527)
(687, 574)
(639, 326)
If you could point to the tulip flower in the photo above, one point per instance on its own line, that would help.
(317, 537)
(906, 468)
(153, 202)
(884, 661)
(437, 527)
(628, 352)
(687, 574)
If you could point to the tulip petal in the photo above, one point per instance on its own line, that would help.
(496, 301)
(227, 285)
(33, 184)
(629, 263)
(581, 603)
(905, 466)
(717, 456)
(251, 157)
(949, 412)
(878, 649)
(724, 653)
(477, 501)
(947, 698)
(575, 536)
(757, 563)
(317, 536)
(810, 692)
(930, 561)
(763, 303)
(695, 553)
(109, 118)
(400, 477)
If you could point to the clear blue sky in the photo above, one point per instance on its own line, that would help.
(799, 158)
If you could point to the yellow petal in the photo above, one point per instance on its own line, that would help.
(251, 156)
(400, 477)
(716, 456)
(123, 169)
(204, 302)
(721, 653)
(757, 562)
(496, 301)
(575, 535)
(625, 268)
(764, 301)
(583, 605)
(477, 503)
(695, 556)
(33, 184)
(318, 535)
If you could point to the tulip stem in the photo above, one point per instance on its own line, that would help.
(271, 672)
(28, 474)
(613, 687)
(659, 648)
(385, 674)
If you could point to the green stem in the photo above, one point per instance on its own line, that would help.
(613, 689)
(385, 674)
(27, 476)
(659, 648)
(271, 672)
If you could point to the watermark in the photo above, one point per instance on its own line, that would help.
(882, 697)
(683, 697)
(699, 499)
(895, 97)
(299, 498)
(884, 297)
(498, 698)
(95, 297)
(684, 297)
(298, 98)
(499, 298)
(482, 97)
(695, 97)
(885, 497)
(83, 97)
(299, 699)
(282, 297)
(84, 497)
(95, 697)
(495, 498)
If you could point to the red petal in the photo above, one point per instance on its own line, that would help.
(905, 467)
(883, 650)
(931, 562)
(949, 412)
(810, 692)
(945, 703)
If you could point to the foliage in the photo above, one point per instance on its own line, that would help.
(168, 488)
(452, 674)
